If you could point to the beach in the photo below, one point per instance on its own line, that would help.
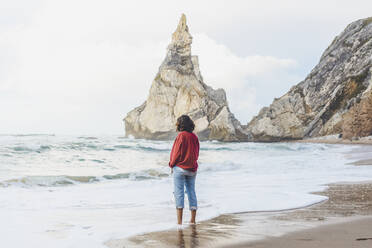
(342, 220)
(111, 191)
(351, 233)
(259, 111)
(335, 139)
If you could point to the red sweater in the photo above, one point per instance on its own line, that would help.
(185, 151)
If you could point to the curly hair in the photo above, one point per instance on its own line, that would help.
(184, 123)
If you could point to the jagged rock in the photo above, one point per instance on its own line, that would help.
(335, 98)
(177, 89)
(358, 120)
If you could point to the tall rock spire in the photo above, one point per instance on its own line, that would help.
(179, 50)
(177, 89)
(181, 38)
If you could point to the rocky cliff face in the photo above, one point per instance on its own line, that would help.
(335, 98)
(177, 89)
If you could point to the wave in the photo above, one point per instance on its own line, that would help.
(6, 155)
(260, 147)
(122, 146)
(98, 161)
(88, 137)
(142, 148)
(217, 149)
(81, 146)
(91, 144)
(64, 180)
(28, 135)
(97, 146)
(26, 149)
(152, 149)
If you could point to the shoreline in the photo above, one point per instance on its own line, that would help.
(333, 141)
(347, 202)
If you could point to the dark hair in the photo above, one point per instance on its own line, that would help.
(184, 123)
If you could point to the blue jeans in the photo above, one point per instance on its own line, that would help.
(182, 178)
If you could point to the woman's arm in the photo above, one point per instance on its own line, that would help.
(176, 151)
(198, 148)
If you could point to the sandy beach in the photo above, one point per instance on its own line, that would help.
(341, 221)
(344, 220)
(348, 233)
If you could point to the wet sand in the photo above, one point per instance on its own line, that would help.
(333, 140)
(363, 162)
(340, 220)
(346, 217)
(355, 233)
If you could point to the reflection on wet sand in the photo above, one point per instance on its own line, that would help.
(181, 239)
(193, 238)
(204, 234)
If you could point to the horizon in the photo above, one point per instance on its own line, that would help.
(81, 75)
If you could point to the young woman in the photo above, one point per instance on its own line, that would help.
(183, 161)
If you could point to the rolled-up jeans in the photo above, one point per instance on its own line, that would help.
(182, 178)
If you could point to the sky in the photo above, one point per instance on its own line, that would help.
(79, 66)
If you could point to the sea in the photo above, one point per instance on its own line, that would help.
(81, 191)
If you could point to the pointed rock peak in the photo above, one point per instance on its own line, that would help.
(182, 26)
(182, 36)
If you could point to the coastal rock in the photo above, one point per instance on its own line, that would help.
(177, 89)
(335, 98)
(358, 120)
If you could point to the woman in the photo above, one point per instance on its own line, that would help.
(183, 161)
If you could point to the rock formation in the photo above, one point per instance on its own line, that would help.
(177, 89)
(335, 98)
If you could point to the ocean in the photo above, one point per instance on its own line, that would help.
(80, 191)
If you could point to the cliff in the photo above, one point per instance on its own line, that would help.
(335, 98)
(177, 89)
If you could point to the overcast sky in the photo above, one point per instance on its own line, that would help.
(78, 66)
